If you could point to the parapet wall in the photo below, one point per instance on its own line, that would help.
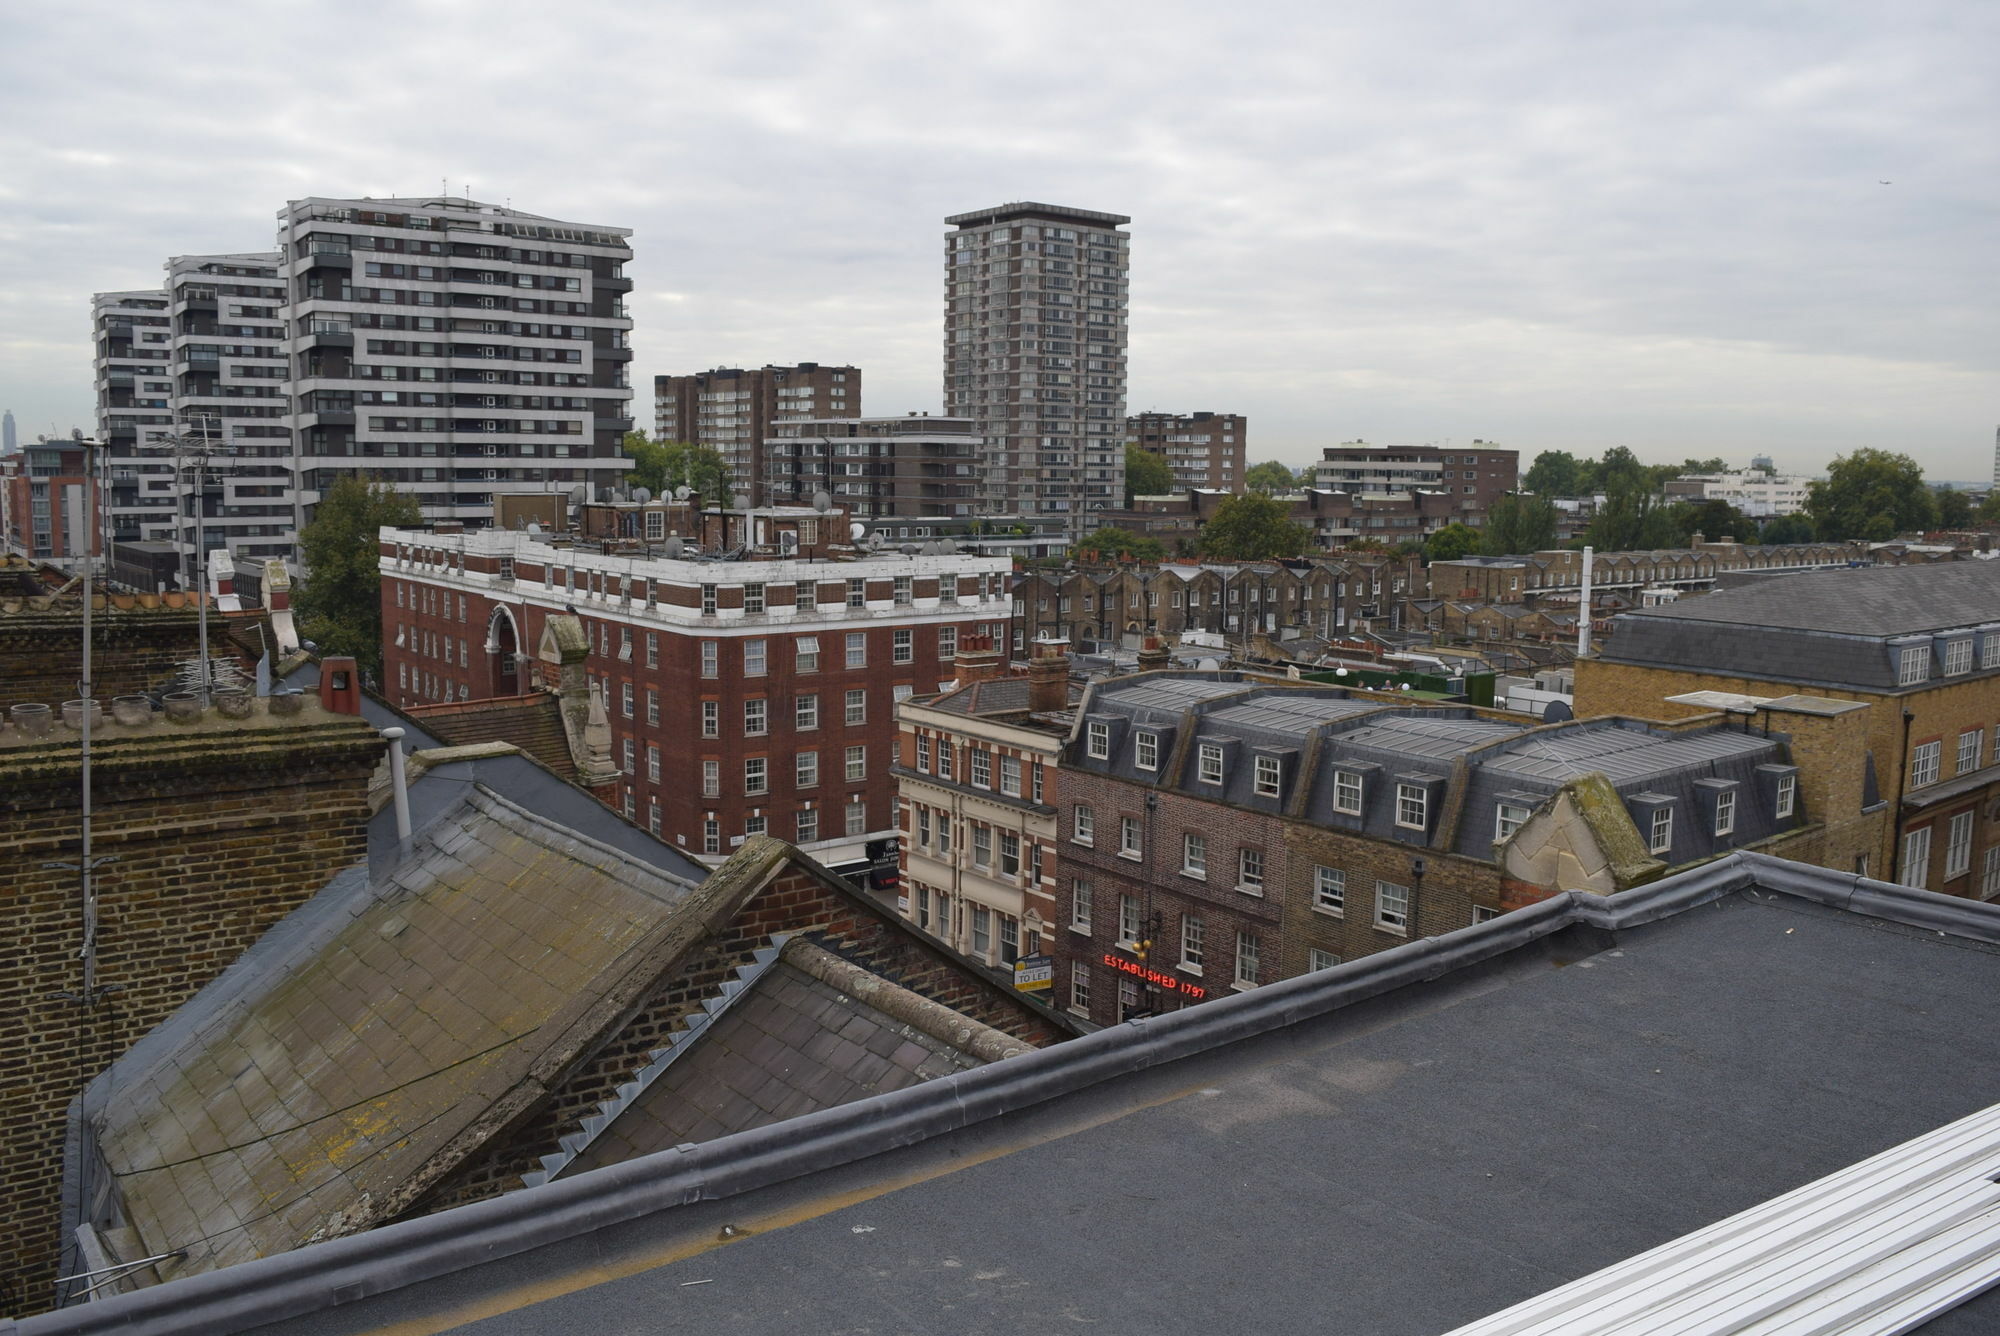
(132, 651)
(208, 831)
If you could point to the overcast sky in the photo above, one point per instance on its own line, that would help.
(1554, 225)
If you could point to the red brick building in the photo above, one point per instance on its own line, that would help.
(46, 507)
(745, 696)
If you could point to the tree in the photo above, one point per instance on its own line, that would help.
(1714, 519)
(1787, 529)
(1270, 477)
(1450, 543)
(1620, 469)
(1253, 527)
(1872, 494)
(1954, 508)
(1110, 544)
(339, 604)
(1554, 473)
(661, 466)
(1146, 474)
(1634, 519)
(1517, 524)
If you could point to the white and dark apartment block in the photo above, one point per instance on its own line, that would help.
(1200, 449)
(735, 410)
(1035, 352)
(455, 350)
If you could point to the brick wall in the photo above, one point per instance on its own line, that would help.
(41, 653)
(215, 831)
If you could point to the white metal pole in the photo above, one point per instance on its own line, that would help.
(1583, 610)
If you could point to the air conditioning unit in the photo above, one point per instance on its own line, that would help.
(491, 401)
(491, 326)
(490, 377)
(492, 450)
(489, 425)
(493, 475)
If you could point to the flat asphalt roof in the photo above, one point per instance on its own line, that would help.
(1429, 1152)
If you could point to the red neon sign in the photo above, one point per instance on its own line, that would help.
(1166, 981)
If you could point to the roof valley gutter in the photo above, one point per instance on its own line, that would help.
(352, 1268)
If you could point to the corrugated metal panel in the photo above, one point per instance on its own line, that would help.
(1878, 1248)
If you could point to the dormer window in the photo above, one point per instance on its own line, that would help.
(1097, 741)
(1268, 777)
(1913, 665)
(1146, 750)
(1660, 833)
(1210, 771)
(1347, 792)
(1958, 657)
(1412, 806)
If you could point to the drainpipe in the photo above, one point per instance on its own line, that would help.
(1583, 610)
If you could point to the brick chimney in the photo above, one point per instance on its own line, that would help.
(977, 659)
(1048, 677)
(339, 685)
(1153, 655)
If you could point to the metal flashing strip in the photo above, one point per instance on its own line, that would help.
(1875, 1249)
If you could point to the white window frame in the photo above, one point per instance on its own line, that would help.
(1083, 825)
(1413, 806)
(756, 717)
(1958, 845)
(1958, 657)
(1913, 665)
(1249, 960)
(1971, 745)
(1725, 813)
(1194, 855)
(855, 767)
(805, 771)
(1129, 845)
(857, 706)
(1129, 920)
(805, 712)
(1989, 873)
(1660, 831)
(857, 649)
(1082, 901)
(1193, 934)
(805, 654)
(1916, 855)
(1926, 763)
(1269, 777)
(1504, 823)
(1347, 792)
(1250, 871)
(1209, 764)
(1317, 960)
(1788, 795)
(1329, 891)
(756, 776)
(1146, 749)
(1097, 740)
(1392, 907)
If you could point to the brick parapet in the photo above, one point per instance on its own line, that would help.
(41, 652)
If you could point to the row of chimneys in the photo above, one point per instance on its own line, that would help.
(1047, 671)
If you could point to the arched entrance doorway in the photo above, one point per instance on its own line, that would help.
(503, 643)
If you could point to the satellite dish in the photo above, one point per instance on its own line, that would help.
(822, 502)
(855, 530)
(908, 549)
(534, 528)
(874, 542)
(1556, 711)
(739, 501)
(948, 546)
(76, 433)
(577, 494)
(1340, 672)
(642, 494)
(675, 546)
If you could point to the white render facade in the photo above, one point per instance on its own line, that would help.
(455, 350)
(1035, 353)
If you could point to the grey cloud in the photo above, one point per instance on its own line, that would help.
(1556, 224)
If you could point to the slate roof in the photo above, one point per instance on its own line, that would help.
(1876, 601)
(316, 1078)
(791, 1044)
(1400, 1145)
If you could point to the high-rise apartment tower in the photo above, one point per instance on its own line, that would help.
(1034, 353)
(733, 409)
(454, 349)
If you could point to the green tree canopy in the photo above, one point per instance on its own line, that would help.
(1253, 527)
(1450, 543)
(1874, 494)
(1714, 519)
(1787, 529)
(1555, 473)
(1270, 476)
(662, 466)
(1634, 519)
(339, 602)
(1109, 544)
(1954, 508)
(1146, 474)
(1516, 525)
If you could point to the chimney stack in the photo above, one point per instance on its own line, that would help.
(1153, 655)
(340, 685)
(977, 659)
(1048, 677)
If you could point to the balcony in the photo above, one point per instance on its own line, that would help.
(611, 283)
(329, 334)
(196, 299)
(330, 257)
(607, 354)
(327, 417)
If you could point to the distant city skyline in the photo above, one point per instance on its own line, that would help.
(1408, 226)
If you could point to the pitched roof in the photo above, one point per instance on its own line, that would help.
(1864, 601)
(346, 1059)
(1432, 1134)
